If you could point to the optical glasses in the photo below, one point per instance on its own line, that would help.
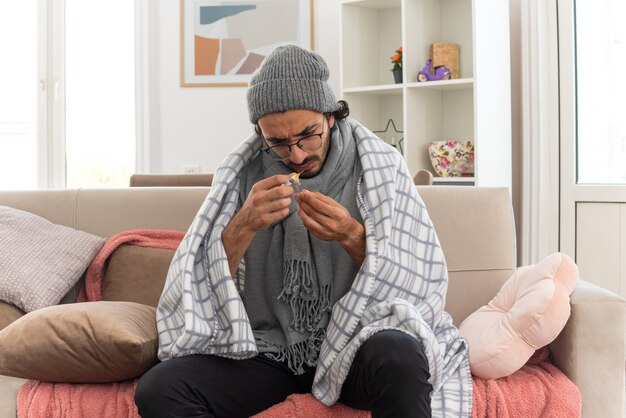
(308, 143)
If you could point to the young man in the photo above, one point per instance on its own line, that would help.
(344, 280)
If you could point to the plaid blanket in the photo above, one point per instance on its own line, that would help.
(401, 285)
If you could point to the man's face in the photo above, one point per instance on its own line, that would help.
(288, 128)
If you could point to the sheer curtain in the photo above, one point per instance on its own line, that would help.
(540, 131)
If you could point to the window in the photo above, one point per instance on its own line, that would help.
(601, 91)
(67, 101)
(100, 93)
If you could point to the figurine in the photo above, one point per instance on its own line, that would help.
(441, 72)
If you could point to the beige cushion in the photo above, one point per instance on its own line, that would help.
(469, 290)
(474, 225)
(10, 387)
(89, 342)
(105, 212)
(476, 229)
(57, 206)
(136, 274)
(40, 261)
(8, 314)
(528, 312)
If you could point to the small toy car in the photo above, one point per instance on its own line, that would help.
(441, 72)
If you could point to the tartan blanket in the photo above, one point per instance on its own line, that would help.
(401, 284)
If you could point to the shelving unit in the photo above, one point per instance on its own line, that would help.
(476, 106)
(454, 181)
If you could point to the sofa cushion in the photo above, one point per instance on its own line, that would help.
(136, 274)
(8, 314)
(40, 261)
(91, 342)
(528, 312)
(9, 389)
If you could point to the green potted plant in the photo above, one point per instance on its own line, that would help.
(396, 60)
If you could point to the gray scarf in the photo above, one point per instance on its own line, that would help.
(293, 278)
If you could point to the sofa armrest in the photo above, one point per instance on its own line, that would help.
(590, 350)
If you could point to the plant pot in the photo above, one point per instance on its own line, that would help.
(397, 75)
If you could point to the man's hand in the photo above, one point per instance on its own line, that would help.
(330, 221)
(267, 202)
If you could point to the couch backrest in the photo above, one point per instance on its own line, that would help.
(171, 180)
(105, 212)
(476, 229)
(475, 226)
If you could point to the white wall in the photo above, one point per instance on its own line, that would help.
(200, 125)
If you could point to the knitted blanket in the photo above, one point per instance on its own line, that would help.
(154, 238)
(401, 284)
(538, 390)
(77, 400)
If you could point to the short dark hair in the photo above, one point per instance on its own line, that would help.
(341, 113)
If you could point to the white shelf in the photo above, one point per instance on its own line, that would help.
(474, 107)
(455, 180)
(374, 4)
(443, 85)
(378, 90)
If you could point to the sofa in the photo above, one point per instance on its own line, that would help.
(476, 229)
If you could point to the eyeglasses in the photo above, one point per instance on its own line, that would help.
(308, 143)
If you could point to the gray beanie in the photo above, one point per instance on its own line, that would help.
(290, 78)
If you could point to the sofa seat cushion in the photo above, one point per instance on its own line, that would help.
(529, 311)
(40, 261)
(91, 342)
(8, 314)
(8, 395)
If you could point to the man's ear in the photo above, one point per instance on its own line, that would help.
(331, 121)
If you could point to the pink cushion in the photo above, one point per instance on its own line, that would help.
(528, 312)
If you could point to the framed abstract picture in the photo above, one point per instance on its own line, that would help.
(223, 42)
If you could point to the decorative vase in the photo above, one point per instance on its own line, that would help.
(397, 75)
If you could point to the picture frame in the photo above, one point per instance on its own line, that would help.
(223, 42)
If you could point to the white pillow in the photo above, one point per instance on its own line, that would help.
(40, 261)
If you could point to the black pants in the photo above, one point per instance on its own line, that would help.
(389, 376)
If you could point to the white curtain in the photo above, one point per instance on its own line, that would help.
(540, 133)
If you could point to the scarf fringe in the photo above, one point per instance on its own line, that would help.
(299, 354)
(297, 287)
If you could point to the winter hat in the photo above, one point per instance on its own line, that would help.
(290, 78)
